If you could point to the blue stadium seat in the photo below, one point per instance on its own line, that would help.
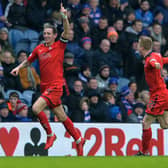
(27, 94)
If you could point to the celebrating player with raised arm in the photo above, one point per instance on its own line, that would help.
(157, 107)
(51, 56)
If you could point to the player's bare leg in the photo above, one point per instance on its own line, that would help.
(163, 120)
(38, 108)
(146, 134)
(59, 112)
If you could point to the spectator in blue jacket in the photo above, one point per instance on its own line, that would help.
(144, 14)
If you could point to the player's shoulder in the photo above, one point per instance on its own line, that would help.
(155, 54)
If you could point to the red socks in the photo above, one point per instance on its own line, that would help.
(71, 129)
(44, 122)
(67, 124)
(146, 139)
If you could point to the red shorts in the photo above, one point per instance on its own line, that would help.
(52, 94)
(158, 103)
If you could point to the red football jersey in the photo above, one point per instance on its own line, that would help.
(50, 61)
(153, 76)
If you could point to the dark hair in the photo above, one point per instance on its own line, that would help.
(14, 94)
(131, 82)
(22, 51)
(103, 18)
(51, 26)
(92, 78)
(135, 21)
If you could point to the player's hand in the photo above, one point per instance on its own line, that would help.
(15, 71)
(63, 11)
(157, 65)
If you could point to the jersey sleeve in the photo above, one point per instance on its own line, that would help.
(63, 42)
(33, 56)
(152, 62)
(165, 60)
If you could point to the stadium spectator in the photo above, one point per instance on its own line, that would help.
(84, 75)
(99, 32)
(162, 9)
(4, 41)
(133, 31)
(98, 108)
(103, 77)
(95, 13)
(103, 55)
(127, 98)
(36, 14)
(137, 114)
(2, 81)
(113, 87)
(130, 18)
(144, 14)
(92, 84)
(20, 36)
(28, 76)
(157, 46)
(157, 34)
(133, 88)
(13, 101)
(83, 28)
(144, 97)
(3, 19)
(75, 7)
(115, 113)
(8, 63)
(5, 114)
(86, 57)
(83, 114)
(84, 105)
(115, 47)
(22, 113)
(71, 70)
(112, 11)
(73, 44)
(73, 100)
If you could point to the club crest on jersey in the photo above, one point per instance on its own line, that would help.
(48, 91)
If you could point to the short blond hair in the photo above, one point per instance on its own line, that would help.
(145, 42)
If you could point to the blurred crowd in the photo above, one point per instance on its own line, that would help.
(103, 69)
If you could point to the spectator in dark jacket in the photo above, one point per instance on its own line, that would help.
(99, 32)
(20, 36)
(71, 70)
(98, 109)
(103, 55)
(8, 63)
(36, 14)
(73, 100)
(5, 114)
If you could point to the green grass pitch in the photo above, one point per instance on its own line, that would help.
(84, 162)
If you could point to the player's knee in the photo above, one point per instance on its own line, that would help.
(145, 125)
(35, 109)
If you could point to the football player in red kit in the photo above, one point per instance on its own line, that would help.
(157, 107)
(51, 55)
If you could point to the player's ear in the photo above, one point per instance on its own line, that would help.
(55, 35)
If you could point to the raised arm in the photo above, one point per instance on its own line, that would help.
(66, 26)
(165, 60)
